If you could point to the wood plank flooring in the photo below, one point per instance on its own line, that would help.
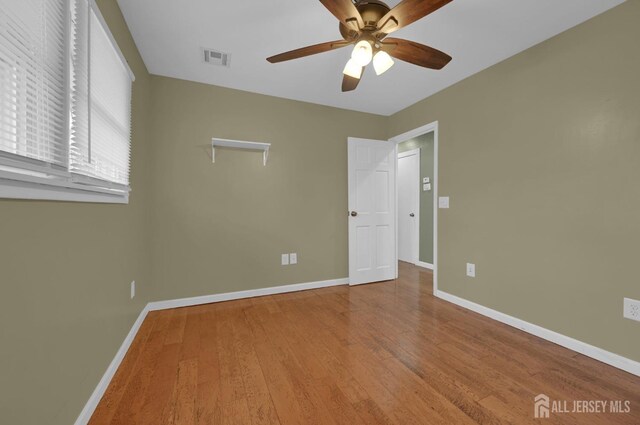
(385, 353)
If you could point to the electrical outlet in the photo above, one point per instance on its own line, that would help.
(285, 259)
(443, 202)
(133, 289)
(293, 258)
(632, 309)
(471, 270)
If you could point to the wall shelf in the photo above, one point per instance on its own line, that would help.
(238, 144)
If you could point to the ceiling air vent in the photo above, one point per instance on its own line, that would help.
(214, 57)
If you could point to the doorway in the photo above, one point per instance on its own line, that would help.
(415, 200)
(373, 206)
(417, 241)
(409, 205)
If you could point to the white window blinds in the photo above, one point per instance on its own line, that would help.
(33, 80)
(65, 103)
(100, 144)
(79, 141)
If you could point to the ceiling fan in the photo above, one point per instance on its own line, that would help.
(367, 23)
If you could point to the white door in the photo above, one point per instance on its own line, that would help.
(409, 206)
(372, 222)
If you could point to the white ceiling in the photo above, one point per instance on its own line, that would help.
(478, 34)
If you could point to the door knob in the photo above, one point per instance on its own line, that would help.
(353, 213)
(412, 215)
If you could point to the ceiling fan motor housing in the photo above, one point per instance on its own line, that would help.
(371, 11)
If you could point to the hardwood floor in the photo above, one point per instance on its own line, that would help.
(385, 353)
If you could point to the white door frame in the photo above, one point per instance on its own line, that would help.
(433, 127)
(416, 243)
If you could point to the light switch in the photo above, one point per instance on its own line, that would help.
(285, 259)
(426, 187)
(293, 258)
(471, 270)
(443, 202)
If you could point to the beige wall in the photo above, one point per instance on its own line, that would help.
(65, 270)
(222, 227)
(541, 158)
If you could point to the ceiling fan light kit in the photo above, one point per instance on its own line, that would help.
(353, 69)
(367, 23)
(362, 53)
(382, 62)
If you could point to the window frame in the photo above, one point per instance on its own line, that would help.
(31, 179)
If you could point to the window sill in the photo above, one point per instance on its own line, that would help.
(14, 189)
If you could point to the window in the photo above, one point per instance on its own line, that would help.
(65, 104)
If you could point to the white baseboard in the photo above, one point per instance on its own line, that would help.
(424, 265)
(208, 299)
(588, 350)
(97, 394)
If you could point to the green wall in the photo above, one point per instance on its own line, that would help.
(540, 155)
(65, 271)
(425, 144)
(223, 227)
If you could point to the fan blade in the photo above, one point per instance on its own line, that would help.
(415, 53)
(308, 51)
(407, 12)
(346, 13)
(350, 83)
